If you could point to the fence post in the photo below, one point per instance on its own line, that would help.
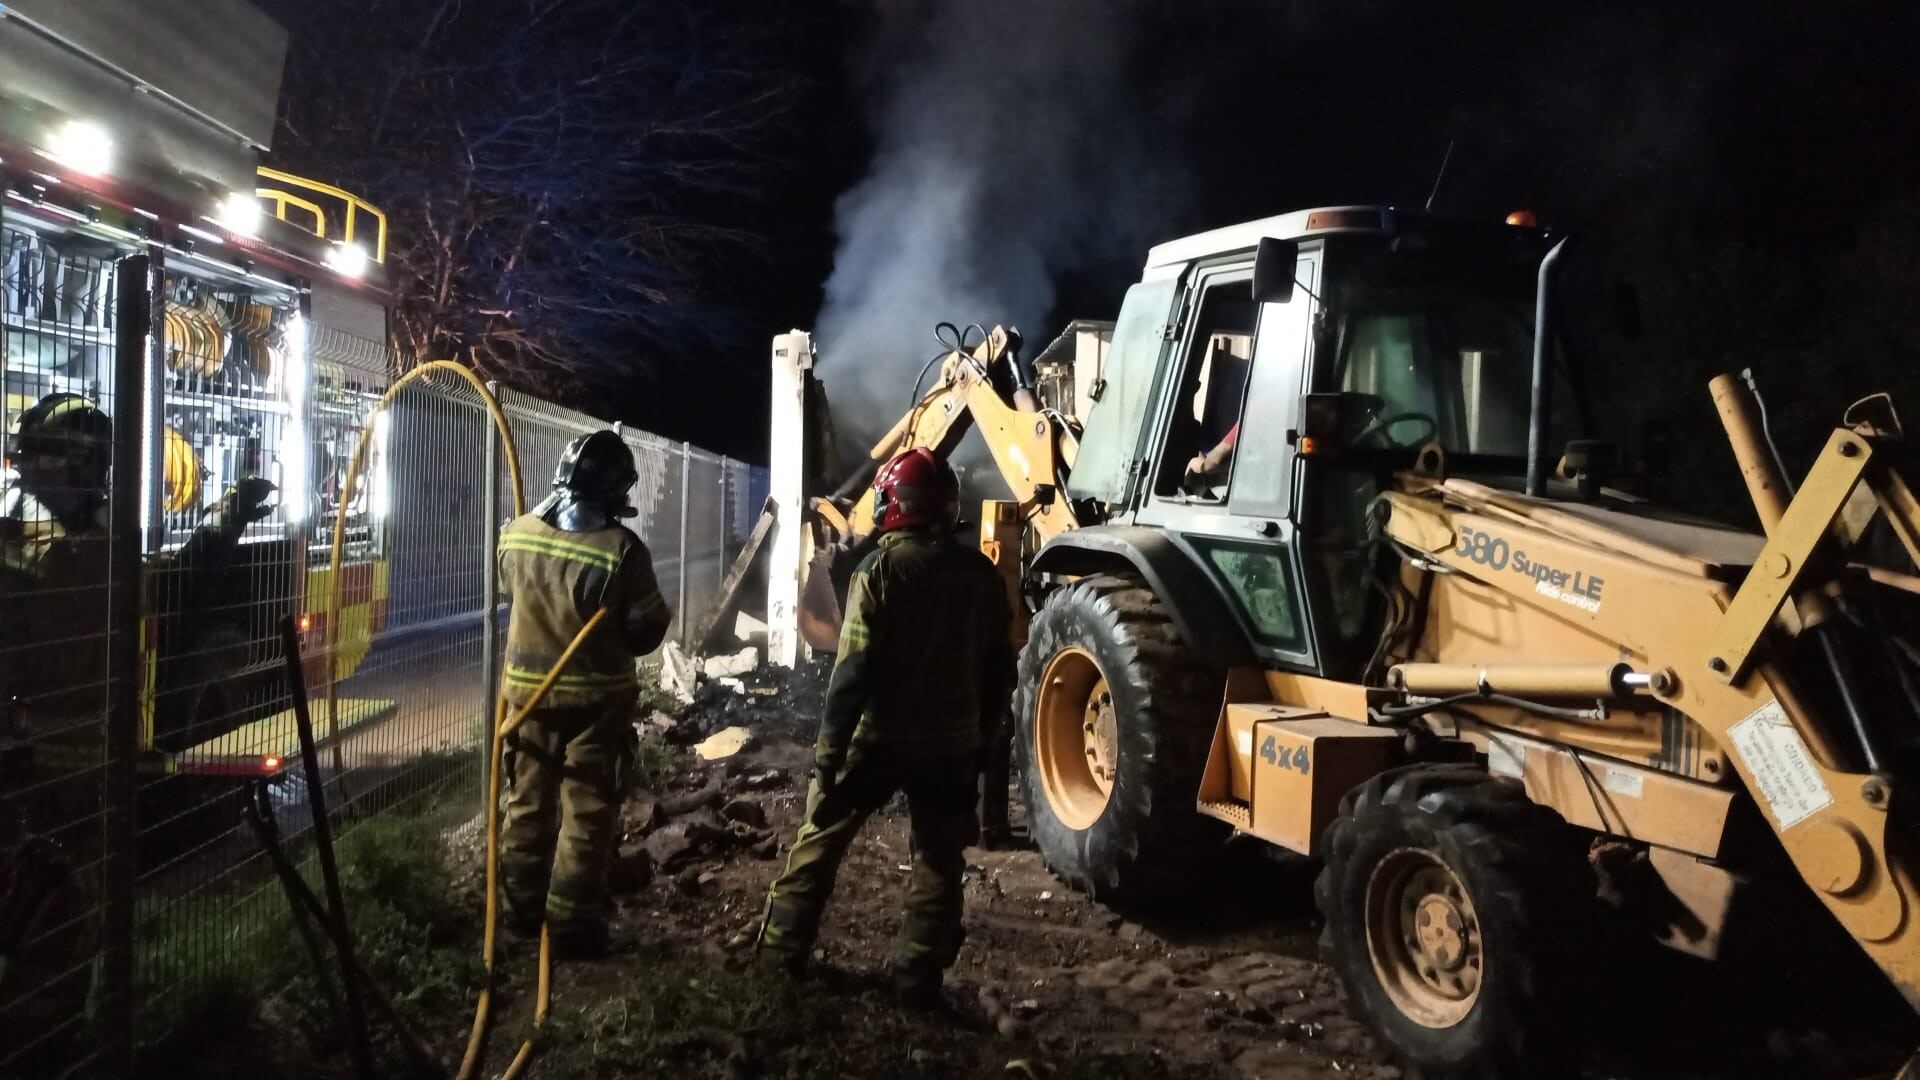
(686, 469)
(490, 580)
(134, 289)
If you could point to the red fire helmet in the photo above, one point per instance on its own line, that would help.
(915, 488)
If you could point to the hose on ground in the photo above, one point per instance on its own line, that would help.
(502, 725)
(482, 1016)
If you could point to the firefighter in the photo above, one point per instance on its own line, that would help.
(918, 690)
(54, 554)
(204, 636)
(568, 762)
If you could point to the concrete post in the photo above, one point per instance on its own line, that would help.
(793, 359)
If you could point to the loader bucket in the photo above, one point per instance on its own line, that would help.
(820, 602)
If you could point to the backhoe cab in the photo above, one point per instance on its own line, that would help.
(1328, 560)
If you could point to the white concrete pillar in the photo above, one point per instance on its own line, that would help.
(786, 455)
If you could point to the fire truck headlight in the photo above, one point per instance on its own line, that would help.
(81, 145)
(347, 259)
(240, 214)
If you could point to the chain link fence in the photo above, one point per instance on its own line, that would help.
(171, 505)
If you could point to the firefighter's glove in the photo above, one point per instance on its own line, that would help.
(248, 501)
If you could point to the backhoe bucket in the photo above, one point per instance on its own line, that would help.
(820, 601)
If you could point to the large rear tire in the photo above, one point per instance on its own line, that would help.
(1114, 718)
(1455, 907)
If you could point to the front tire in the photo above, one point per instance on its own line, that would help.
(1115, 717)
(1453, 907)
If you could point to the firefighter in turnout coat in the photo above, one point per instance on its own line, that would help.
(54, 548)
(918, 690)
(569, 761)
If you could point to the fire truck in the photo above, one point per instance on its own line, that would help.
(131, 154)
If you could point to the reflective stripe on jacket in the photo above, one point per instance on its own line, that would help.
(555, 581)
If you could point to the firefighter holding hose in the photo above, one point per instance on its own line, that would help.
(918, 689)
(559, 564)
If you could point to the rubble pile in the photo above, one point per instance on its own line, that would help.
(712, 802)
(772, 702)
(704, 815)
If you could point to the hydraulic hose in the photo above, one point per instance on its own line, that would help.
(482, 1017)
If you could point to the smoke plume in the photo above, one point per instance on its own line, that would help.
(1002, 159)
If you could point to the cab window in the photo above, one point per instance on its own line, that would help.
(1197, 459)
(1443, 348)
(1110, 445)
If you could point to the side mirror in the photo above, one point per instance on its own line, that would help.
(1273, 269)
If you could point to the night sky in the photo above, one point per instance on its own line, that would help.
(1750, 171)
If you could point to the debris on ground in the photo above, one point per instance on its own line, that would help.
(724, 743)
(678, 674)
(735, 665)
(1048, 985)
(775, 702)
(746, 812)
(686, 802)
(749, 629)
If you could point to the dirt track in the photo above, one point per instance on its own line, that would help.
(1048, 984)
(1046, 978)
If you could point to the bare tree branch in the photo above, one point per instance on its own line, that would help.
(550, 167)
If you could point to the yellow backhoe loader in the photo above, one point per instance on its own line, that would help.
(1310, 566)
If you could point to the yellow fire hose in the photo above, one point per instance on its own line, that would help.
(482, 1014)
(502, 725)
(331, 630)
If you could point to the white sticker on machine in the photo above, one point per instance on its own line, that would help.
(1782, 768)
(1505, 757)
(1625, 782)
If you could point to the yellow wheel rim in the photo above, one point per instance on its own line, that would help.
(1075, 735)
(1423, 936)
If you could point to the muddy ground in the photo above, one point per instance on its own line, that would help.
(1048, 985)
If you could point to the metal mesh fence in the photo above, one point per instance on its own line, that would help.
(686, 501)
(225, 560)
(63, 526)
(159, 528)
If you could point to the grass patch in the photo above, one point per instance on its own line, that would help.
(654, 699)
(253, 992)
(689, 1017)
(677, 1019)
(396, 881)
(650, 762)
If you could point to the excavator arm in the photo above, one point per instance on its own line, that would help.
(1032, 448)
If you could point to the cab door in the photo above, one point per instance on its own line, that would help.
(1231, 401)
